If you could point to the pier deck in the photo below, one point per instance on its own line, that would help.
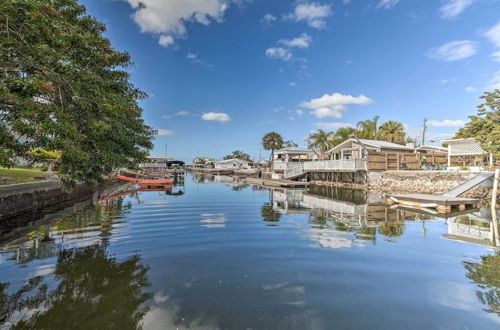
(278, 183)
(443, 204)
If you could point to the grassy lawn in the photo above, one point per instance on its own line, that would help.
(19, 175)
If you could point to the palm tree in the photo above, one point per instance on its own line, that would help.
(392, 131)
(319, 141)
(272, 141)
(341, 135)
(367, 129)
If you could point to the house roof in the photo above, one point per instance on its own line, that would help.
(432, 147)
(232, 160)
(370, 143)
(464, 147)
(293, 150)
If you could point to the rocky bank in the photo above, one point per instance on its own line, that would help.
(431, 182)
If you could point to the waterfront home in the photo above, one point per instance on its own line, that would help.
(354, 148)
(232, 164)
(467, 152)
(283, 157)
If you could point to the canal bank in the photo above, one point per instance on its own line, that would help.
(23, 198)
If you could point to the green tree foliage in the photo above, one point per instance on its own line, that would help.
(238, 154)
(63, 87)
(319, 141)
(485, 126)
(272, 141)
(392, 131)
(367, 129)
(341, 135)
(290, 144)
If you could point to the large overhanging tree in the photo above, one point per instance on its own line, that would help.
(63, 87)
(485, 126)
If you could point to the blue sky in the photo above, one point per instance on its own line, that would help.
(222, 73)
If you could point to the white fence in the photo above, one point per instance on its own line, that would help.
(327, 165)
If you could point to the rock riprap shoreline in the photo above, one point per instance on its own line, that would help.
(432, 182)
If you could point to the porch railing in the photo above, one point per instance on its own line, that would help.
(327, 165)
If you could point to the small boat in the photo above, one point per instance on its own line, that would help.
(145, 182)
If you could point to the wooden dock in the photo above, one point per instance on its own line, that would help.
(442, 204)
(278, 183)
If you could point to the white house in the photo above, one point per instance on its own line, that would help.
(232, 164)
(283, 157)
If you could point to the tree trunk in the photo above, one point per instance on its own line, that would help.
(272, 160)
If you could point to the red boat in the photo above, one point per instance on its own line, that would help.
(145, 182)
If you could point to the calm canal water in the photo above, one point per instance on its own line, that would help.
(225, 255)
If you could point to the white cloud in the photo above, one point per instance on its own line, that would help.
(195, 59)
(495, 81)
(444, 81)
(177, 114)
(496, 56)
(298, 114)
(453, 8)
(333, 105)
(470, 89)
(169, 18)
(303, 41)
(292, 83)
(313, 13)
(268, 20)
(164, 132)
(494, 34)
(446, 123)
(387, 4)
(454, 50)
(165, 40)
(332, 125)
(216, 116)
(279, 53)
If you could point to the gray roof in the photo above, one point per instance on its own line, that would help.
(373, 144)
(385, 144)
(231, 160)
(293, 150)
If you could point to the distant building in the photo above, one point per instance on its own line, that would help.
(203, 162)
(232, 164)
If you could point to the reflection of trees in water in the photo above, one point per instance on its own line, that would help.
(240, 186)
(202, 178)
(321, 219)
(391, 229)
(486, 275)
(94, 291)
(101, 216)
(339, 194)
(269, 214)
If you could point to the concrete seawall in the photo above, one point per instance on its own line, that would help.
(29, 197)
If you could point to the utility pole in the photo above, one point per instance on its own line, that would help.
(424, 128)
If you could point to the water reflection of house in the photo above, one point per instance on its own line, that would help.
(345, 204)
(477, 228)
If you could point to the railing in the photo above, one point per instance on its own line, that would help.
(143, 165)
(327, 165)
